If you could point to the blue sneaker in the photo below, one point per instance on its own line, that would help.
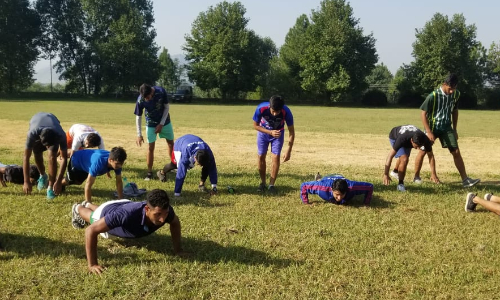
(43, 182)
(50, 194)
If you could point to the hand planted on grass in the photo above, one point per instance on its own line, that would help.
(27, 188)
(386, 179)
(96, 269)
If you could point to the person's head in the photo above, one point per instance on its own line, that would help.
(34, 174)
(339, 189)
(420, 141)
(157, 206)
(146, 91)
(48, 137)
(450, 84)
(202, 158)
(276, 104)
(117, 157)
(92, 140)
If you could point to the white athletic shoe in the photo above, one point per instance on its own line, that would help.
(401, 187)
(394, 175)
(417, 180)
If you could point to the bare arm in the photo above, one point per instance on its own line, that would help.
(62, 169)
(175, 232)
(26, 171)
(119, 186)
(428, 131)
(291, 139)
(91, 234)
(88, 188)
(386, 179)
(273, 133)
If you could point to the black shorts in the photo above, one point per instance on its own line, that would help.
(75, 176)
(38, 147)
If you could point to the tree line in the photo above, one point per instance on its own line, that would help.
(102, 47)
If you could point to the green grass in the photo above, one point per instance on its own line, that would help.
(418, 245)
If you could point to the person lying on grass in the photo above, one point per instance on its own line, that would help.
(125, 219)
(15, 174)
(336, 189)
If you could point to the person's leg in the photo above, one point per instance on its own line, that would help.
(495, 199)
(86, 212)
(459, 163)
(169, 167)
(396, 167)
(167, 133)
(261, 165)
(150, 157)
(403, 163)
(39, 162)
(274, 168)
(419, 160)
(492, 206)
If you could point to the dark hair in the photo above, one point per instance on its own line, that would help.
(420, 138)
(118, 154)
(34, 173)
(202, 157)
(145, 90)
(340, 185)
(451, 80)
(276, 102)
(48, 137)
(93, 139)
(158, 198)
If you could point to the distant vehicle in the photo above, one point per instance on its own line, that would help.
(183, 94)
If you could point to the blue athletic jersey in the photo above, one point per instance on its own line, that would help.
(154, 107)
(43, 120)
(264, 118)
(94, 162)
(127, 219)
(188, 145)
(323, 188)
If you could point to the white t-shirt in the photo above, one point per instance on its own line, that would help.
(79, 133)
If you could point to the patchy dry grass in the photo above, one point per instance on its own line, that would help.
(418, 245)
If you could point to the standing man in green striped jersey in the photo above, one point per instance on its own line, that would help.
(440, 118)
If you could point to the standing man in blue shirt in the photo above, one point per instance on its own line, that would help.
(126, 219)
(190, 150)
(88, 164)
(269, 120)
(154, 100)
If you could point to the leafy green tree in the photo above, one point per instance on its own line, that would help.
(445, 46)
(294, 47)
(493, 65)
(337, 57)
(20, 35)
(380, 75)
(170, 74)
(223, 54)
(279, 80)
(101, 45)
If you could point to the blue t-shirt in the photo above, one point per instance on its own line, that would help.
(323, 188)
(188, 145)
(265, 119)
(154, 107)
(94, 162)
(127, 219)
(43, 120)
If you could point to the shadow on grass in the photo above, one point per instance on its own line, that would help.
(199, 250)
(207, 251)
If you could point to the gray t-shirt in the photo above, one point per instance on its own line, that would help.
(45, 120)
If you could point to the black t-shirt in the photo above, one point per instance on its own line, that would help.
(402, 136)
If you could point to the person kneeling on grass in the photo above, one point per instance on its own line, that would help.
(190, 150)
(490, 202)
(88, 164)
(125, 219)
(403, 139)
(336, 189)
(15, 174)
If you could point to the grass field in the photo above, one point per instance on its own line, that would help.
(416, 245)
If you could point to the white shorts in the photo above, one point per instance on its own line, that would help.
(96, 215)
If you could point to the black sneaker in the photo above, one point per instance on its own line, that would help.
(468, 182)
(487, 196)
(470, 206)
(261, 188)
(272, 189)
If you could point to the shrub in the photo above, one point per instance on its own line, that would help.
(374, 97)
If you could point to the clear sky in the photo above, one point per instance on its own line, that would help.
(392, 22)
